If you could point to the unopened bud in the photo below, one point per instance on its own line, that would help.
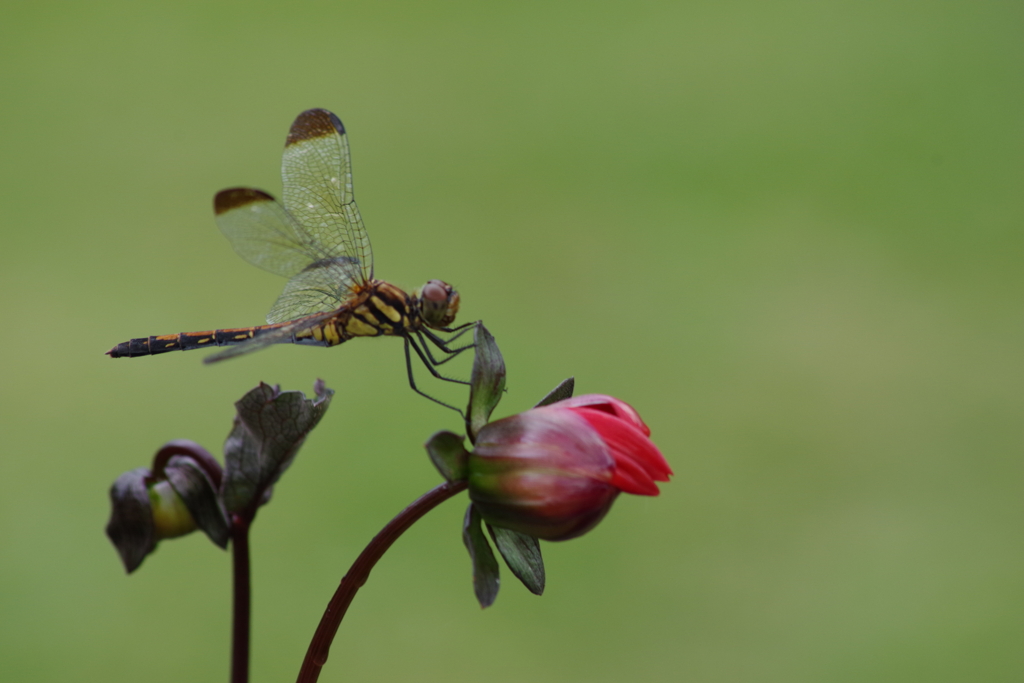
(171, 517)
(553, 472)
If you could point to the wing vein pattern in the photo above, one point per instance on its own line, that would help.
(315, 236)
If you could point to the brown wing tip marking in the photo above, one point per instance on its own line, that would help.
(314, 123)
(237, 197)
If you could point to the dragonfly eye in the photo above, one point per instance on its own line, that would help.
(438, 303)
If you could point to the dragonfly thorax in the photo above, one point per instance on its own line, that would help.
(438, 302)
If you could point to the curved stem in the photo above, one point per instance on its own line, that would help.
(319, 647)
(201, 456)
(241, 608)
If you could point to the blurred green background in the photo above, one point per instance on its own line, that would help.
(789, 233)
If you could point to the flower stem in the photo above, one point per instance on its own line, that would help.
(242, 599)
(200, 455)
(319, 647)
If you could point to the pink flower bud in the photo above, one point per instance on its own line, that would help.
(553, 472)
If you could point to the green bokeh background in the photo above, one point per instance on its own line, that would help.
(789, 233)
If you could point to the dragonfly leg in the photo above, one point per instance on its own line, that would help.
(412, 380)
(461, 329)
(445, 344)
(463, 326)
(428, 361)
(441, 344)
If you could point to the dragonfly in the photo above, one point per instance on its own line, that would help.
(315, 237)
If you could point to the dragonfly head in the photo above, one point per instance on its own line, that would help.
(438, 303)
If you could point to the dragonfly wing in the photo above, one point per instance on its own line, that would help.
(321, 286)
(266, 235)
(316, 237)
(262, 232)
(280, 335)
(317, 172)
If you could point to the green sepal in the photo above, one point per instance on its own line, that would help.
(522, 555)
(487, 382)
(449, 455)
(269, 428)
(130, 528)
(192, 484)
(485, 566)
(560, 393)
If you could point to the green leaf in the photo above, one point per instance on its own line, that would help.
(447, 452)
(485, 566)
(268, 430)
(487, 382)
(130, 528)
(522, 555)
(560, 393)
(191, 482)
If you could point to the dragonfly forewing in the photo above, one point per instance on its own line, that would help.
(317, 173)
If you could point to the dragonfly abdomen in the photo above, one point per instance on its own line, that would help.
(382, 309)
(186, 341)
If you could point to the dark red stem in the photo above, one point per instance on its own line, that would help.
(192, 449)
(320, 646)
(242, 596)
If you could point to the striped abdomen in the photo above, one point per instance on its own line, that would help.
(380, 309)
(184, 341)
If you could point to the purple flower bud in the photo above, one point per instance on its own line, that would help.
(175, 497)
(553, 472)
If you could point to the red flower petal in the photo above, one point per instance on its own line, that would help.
(608, 405)
(630, 477)
(626, 441)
